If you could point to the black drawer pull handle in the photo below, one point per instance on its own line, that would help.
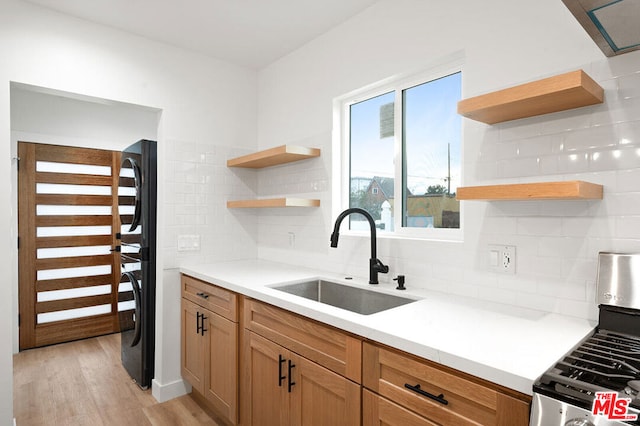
(416, 389)
(203, 295)
(198, 326)
(281, 361)
(291, 382)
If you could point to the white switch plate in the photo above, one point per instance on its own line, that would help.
(188, 242)
(502, 258)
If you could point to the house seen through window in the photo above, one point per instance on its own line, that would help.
(404, 155)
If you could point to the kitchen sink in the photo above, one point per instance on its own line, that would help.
(354, 299)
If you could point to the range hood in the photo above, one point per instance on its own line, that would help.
(613, 24)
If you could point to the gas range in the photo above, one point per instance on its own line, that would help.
(598, 382)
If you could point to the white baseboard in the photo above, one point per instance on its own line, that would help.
(167, 391)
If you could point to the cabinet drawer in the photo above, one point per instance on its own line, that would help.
(218, 300)
(379, 411)
(440, 394)
(334, 349)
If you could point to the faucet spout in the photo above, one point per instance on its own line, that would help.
(375, 265)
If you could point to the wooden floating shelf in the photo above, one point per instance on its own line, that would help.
(574, 89)
(570, 190)
(274, 156)
(274, 202)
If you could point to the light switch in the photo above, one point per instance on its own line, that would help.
(188, 242)
(494, 255)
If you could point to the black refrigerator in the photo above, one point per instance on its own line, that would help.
(137, 246)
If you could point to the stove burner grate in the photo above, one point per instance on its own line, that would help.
(604, 362)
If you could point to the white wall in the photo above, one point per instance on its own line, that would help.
(208, 113)
(504, 43)
(48, 116)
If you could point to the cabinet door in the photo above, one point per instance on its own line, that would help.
(221, 365)
(265, 396)
(379, 411)
(321, 397)
(193, 346)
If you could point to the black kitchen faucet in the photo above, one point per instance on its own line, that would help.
(375, 265)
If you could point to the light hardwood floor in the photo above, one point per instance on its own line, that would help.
(84, 383)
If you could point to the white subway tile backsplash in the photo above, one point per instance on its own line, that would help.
(575, 162)
(588, 226)
(587, 310)
(629, 86)
(628, 180)
(539, 226)
(590, 138)
(518, 167)
(539, 302)
(499, 295)
(564, 121)
(565, 290)
(627, 227)
(559, 246)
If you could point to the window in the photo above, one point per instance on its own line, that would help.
(401, 147)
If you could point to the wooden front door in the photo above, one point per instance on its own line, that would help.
(67, 222)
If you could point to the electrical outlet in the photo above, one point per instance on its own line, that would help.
(502, 258)
(509, 259)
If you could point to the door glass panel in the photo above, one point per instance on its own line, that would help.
(80, 169)
(73, 313)
(47, 296)
(49, 188)
(83, 271)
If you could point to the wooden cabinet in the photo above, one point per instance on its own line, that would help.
(437, 394)
(281, 386)
(210, 345)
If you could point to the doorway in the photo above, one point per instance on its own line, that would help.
(55, 117)
(68, 218)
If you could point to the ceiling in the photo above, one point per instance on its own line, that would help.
(252, 33)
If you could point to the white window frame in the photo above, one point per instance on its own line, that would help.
(340, 167)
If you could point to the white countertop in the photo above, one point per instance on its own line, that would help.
(503, 344)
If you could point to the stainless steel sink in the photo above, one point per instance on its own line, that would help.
(359, 300)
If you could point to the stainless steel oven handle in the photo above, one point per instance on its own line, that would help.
(579, 422)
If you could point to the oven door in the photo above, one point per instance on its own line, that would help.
(547, 411)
